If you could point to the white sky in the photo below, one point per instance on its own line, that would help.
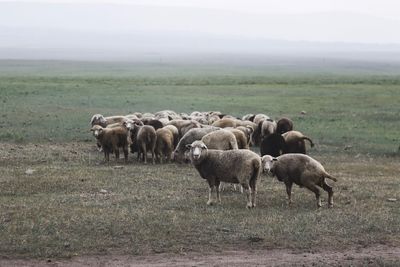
(379, 8)
(31, 23)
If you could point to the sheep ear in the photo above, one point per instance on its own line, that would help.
(204, 146)
(189, 146)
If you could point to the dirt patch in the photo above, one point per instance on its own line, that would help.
(373, 256)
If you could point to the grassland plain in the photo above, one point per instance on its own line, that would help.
(59, 210)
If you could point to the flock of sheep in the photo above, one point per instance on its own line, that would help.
(218, 146)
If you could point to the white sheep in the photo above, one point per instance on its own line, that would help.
(234, 166)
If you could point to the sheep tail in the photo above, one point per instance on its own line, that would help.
(327, 175)
(309, 140)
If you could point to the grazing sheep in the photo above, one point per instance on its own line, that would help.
(248, 131)
(164, 144)
(284, 125)
(191, 136)
(111, 139)
(174, 132)
(241, 138)
(234, 166)
(225, 122)
(273, 145)
(301, 170)
(143, 140)
(99, 119)
(221, 140)
(294, 141)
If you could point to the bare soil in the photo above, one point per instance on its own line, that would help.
(371, 256)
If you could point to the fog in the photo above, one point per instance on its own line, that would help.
(129, 30)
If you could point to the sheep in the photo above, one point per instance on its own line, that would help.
(184, 126)
(225, 122)
(248, 131)
(221, 140)
(301, 170)
(234, 166)
(191, 136)
(143, 139)
(99, 119)
(273, 145)
(127, 123)
(284, 125)
(294, 141)
(111, 139)
(174, 132)
(248, 117)
(267, 127)
(241, 138)
(152, 122)
(164, 144)
(259, 118)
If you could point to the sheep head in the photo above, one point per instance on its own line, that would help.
(98, 119)
(97, 130)
(268, 164)
(197, 151)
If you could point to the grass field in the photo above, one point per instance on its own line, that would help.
(59, 210)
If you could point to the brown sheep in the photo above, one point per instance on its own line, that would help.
(225, 122)
(301, 170)
(164, 144)
(174, 132)
(248, 131)
(233, 166)
(284, 125)
(111, 139)
(294, 142)
(241, 138)
(152, 122)
(143, 140)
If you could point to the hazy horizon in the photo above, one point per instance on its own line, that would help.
(108, 30)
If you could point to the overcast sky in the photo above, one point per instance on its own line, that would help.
(210, 25)
(379, 8)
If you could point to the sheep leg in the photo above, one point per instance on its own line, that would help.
(328, 189)
(316, 191)
(116, 153)
(289, 192)
(211, 192)
(248, 190)
(152, 156)
(106, 155)
(144, 155)
(217, 186)
(253, 188)
(126, 152)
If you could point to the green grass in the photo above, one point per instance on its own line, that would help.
(59, 211)
(343, 110)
